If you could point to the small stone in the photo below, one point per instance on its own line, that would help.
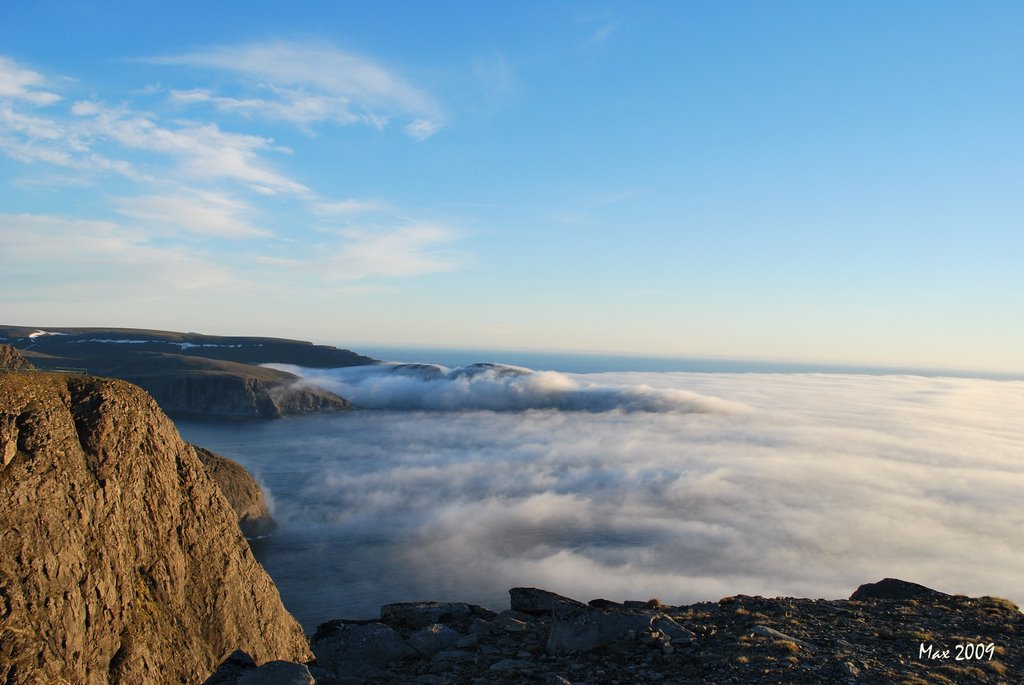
(507, 665)
(765, 631)
(480, 627)
(510, 624)
(432, 639)
(278, 673)
(671, 628)
(470, 640)
(849, 670)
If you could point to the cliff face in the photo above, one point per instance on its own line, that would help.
(241, 491)
(191, 374)
(120, 560)
(236, 395)
(10, 358)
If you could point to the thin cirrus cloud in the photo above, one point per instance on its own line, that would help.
(347, 206)
(202, 213)
(204, 151)
(91, 136)
(47, 256)
(411, 250)
(304, 84)
(17, 82)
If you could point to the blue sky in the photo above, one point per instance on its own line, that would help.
(792, 180)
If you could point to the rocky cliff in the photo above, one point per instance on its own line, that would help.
(241, 491)
(120, 560)
(10, 358)
(190, 374)
(200, 387)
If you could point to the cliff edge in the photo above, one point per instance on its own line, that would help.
(191, 374)
(11, 359)
(241, 491)
(121, 561)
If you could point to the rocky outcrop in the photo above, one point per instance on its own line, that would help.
(737, 640)
(893, 588)
(121, 561)
(11, 359)
(241, 491)
(190, 374)
(227, 391)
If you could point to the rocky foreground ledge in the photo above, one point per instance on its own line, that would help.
(890, 632)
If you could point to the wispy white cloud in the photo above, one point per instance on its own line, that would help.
(97, 137)
(33, 139)
(298, 107)
(203, 150)
(406, 251)
(20, 83)
(421, 129)
(199, 212)
(348, 206)
(306, 84)
(44, 257)
(602, 34)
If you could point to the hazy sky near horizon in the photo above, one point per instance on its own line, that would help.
(822, 181)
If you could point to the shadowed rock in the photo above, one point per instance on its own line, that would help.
(536, 602)
(893, 588)
(241, 490)
(418, 615)
(349, 648)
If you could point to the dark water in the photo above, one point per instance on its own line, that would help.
(570, 362)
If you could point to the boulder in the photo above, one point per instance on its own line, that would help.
(894, 588)
(581, 628)
(240, 669)
(432, 639)
(231, 669)
(416, 615)
(536, 602)
(278, 673)
(345, 647)
(765, 631)
(668, 626)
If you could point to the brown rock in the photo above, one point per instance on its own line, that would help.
(10, 358)
(121, 561)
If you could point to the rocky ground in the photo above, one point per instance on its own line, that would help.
(891, 632)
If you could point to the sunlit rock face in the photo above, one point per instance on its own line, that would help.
(121, 561)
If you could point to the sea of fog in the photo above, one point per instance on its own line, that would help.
(457, 483)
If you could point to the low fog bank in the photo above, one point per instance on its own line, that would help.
(498, 387)
(825, 482)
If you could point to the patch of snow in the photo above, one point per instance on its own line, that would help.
(39, 332)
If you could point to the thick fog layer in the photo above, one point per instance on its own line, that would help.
(498, 387)
(818, 484)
